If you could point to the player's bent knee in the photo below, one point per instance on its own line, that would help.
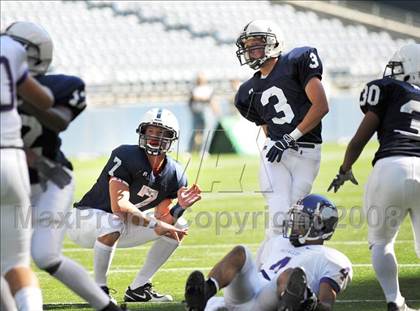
(48, 261)
(282, 278)
(109, 239)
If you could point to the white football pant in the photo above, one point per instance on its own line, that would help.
(15, 210)
(392, 192)
(284, 183)
(89, 224)
(51, 209)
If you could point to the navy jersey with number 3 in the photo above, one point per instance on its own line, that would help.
(130, 164)
(69, 92)
(397, 104)
(279, 100)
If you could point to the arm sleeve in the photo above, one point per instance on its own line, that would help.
(117, 166)
(308, 65)
(373, 98)
(247, 110)
(75, 99)
(337, 275)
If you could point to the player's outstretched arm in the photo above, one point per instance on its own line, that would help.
(326, 297)
(36, 94)
(365, 131)
(186, 198)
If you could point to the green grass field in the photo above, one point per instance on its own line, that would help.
(230, 184)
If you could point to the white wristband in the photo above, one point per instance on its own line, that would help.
(296, 134)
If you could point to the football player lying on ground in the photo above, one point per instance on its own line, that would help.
(137, 178)
(298, 273)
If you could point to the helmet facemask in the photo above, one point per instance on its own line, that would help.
(269, 43)
(156, 144)
(301, 225)
(394, 70)
(32, 53)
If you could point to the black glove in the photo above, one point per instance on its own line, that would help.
(280, 146)
(50, 170)
(341, 178)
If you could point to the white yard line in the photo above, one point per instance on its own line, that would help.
(213, 246)
(133, 268)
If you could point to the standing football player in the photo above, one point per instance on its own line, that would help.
(286, 97)
(392, 109)
(15, 190)
(137, 178)
(297, 273)
(50, 173)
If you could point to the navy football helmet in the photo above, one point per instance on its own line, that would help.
(312, 218)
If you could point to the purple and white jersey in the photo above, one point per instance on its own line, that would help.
(321, 263)
(14, 70)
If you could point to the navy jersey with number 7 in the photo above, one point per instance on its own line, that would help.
(397, 105)
(130, 164)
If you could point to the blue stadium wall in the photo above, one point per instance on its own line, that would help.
(100, 129)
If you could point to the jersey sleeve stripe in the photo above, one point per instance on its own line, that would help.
(22, 78)
(330, 282)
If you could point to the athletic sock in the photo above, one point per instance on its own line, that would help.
(158, 254)
(102, 262)
(29, 299)
(75, 277)
(385, 264)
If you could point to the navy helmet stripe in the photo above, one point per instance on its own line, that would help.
(159, 113)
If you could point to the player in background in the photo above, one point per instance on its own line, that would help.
(135, 179)
(286, 98)
(15, 191)
(52, 182)
(392, 109)
(297, 273)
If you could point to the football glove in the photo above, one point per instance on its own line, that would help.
(341, 178)
(52, 171)
(276, 151)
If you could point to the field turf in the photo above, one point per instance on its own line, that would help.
(232, 212)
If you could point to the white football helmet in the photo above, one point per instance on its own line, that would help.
(162, 118)
(272, 37)
(405, 64)
(37, 42)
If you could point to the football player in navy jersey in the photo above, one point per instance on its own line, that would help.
(131, 201)
(286, 97)
(52, 183)
(392, 109)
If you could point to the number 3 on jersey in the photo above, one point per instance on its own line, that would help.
(281, 106)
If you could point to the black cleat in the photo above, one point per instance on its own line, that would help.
(392, 306)
(195, 292)
(297, 295)
(113, 307)
(145, 293)
(107, 291)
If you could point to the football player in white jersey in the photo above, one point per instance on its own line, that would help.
(392, 109)
(52, 184)
(297, 273)
(15, 191)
